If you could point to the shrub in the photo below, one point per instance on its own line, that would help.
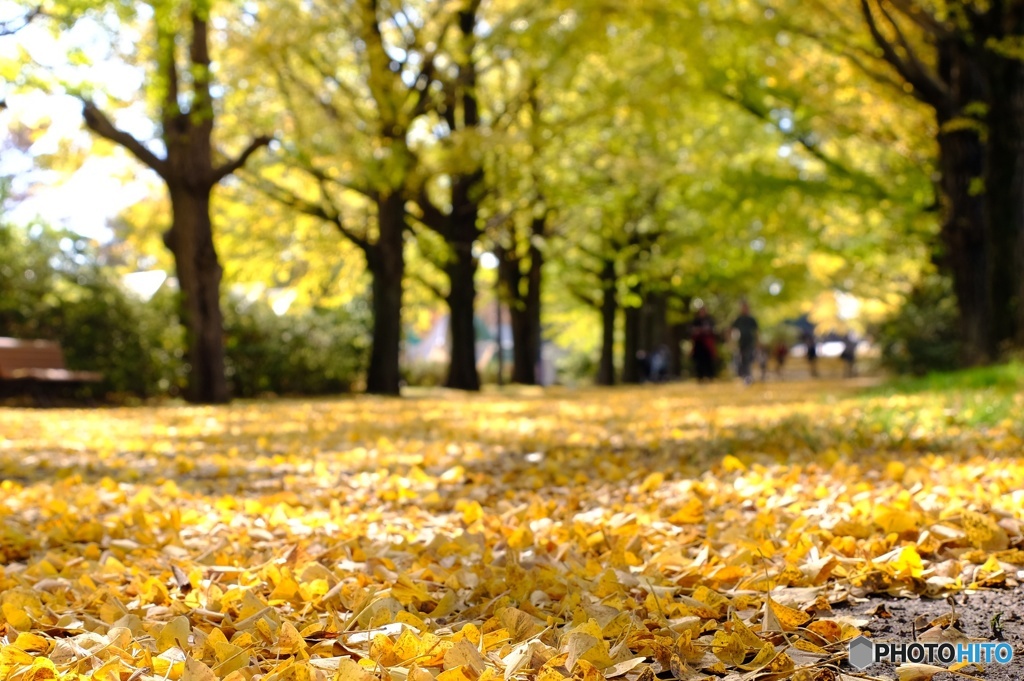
(313, 352)
(921, 337)
(53, 287)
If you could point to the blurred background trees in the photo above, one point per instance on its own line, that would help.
(464, 185)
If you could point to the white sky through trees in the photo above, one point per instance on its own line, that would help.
(37, 124)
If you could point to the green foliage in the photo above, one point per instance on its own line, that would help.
(131, 342)
(425, 374)
(921, 336)
(575, 368)
(52, 286)
(1002, 379)
(313, 352)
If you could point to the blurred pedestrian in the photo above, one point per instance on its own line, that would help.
(746, 328)
(849, 356)
(643, 366)
(704, 352)
(811, 343)
(659, 364)
(780, 352)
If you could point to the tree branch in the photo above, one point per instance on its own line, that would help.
(431, 216)
(927, 89)
(8, 27)
(584, 297)
(417, 276)
(225, 169)
(289, 198)
(811, 147)
(168, 68)
(98, 122)
(323, 177)
(918, 14)
(926, 80)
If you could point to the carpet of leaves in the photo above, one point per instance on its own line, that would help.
(634, 534)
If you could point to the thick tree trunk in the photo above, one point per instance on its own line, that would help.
(387, 267)
(523, 361)
(1004, 190)
(190, 174)
(525, 309)
(631, 344)
(655, 321)
(462, 230)
(461, 269)
(676, 363)
(965, 235)
(609, 306)
(199, 275)
(966, 245)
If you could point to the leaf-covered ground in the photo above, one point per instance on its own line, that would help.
(669, 532)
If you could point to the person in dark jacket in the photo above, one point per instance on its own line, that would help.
(705, 350)
(746, 330)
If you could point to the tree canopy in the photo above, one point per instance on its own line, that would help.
(617, 160)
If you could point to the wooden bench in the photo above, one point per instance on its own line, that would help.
(28, 363)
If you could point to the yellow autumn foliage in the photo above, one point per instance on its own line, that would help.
(572, 535)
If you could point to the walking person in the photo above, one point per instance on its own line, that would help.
(643, 366)
(812, 351)
(781, 352)
(659, 364)
(745, 327)
(704, 352)
(849, 355)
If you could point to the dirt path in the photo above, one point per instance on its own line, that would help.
(976, 612)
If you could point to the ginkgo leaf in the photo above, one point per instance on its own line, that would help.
(197, 671)
(623, 667)
(984, 532)
(728, 648)
(345, 669)
(339, 552)
(764, 657)
(911, 671)
(827, 629)
(33, 643)
(687, 649)
(744, 634)
(786, 618)
(576, 646)
(519, 624)
(464, 654)
(174, 634)
(42, 669)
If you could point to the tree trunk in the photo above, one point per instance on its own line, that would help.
(190, 175)
(1004, 190)
(966, 245)
(527, 366)
(631, 344)
(462, 230)
(965, 235)
(655, 321)
(522, 357)
(386, 262)
(525, 308)
(461, 270)
(609, 306)
(199, 275)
